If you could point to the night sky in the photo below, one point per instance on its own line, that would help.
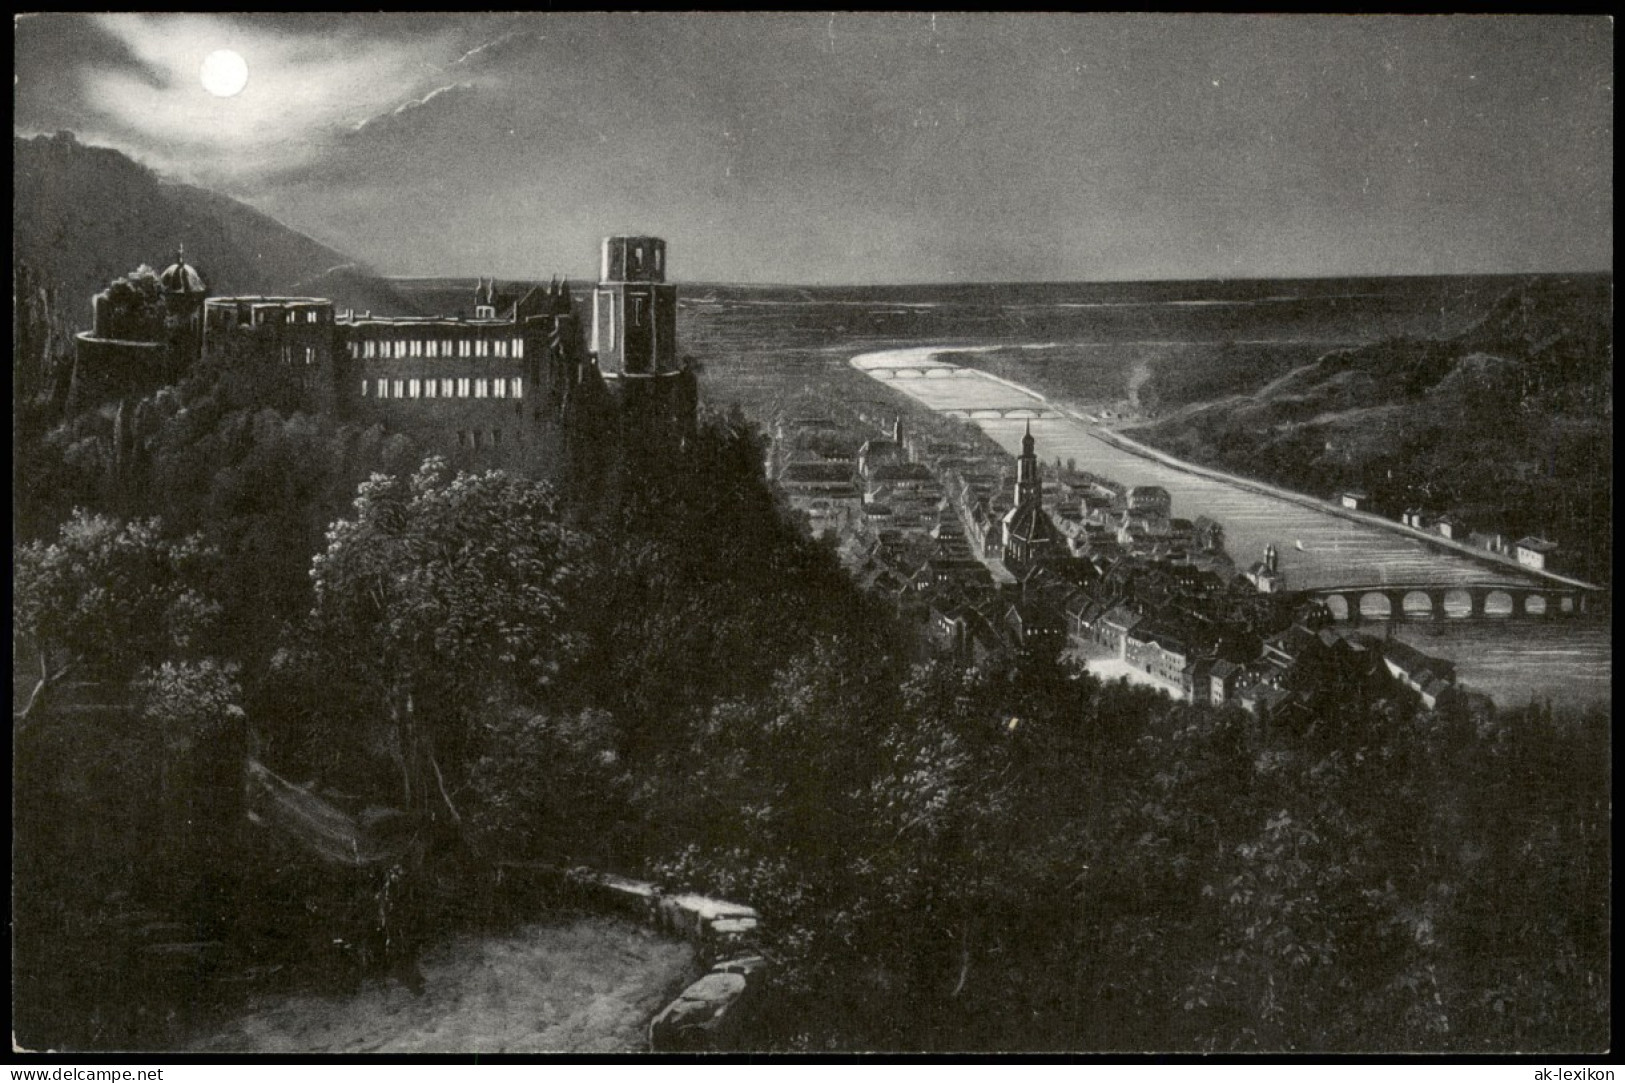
(862, 148)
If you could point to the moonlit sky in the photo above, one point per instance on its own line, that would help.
(861, 148)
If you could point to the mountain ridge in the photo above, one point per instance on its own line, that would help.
(83, 215)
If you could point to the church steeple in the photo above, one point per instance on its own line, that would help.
(1028, 487)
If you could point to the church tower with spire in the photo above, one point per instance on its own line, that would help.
(1029, 489)
(1030, 536)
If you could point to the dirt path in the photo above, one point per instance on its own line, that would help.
(587, 986)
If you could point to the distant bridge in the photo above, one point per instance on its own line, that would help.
(932, 372)
(994, 412)
(1464, 601)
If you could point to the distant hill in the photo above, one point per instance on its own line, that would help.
(84, 215)
(1507, 424)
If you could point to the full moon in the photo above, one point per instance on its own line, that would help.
(224, 73)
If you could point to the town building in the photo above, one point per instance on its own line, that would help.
(1149, 500)
(1265, 575)
(1536, 553)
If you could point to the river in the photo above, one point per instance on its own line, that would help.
(1567, 661)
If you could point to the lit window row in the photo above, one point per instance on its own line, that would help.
(447, 348)
(309, 315)
(292, 355)
(460, 387)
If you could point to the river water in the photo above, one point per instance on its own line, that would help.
(1566, 661)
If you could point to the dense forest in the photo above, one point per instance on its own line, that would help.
(656, 671)
(1505, 425)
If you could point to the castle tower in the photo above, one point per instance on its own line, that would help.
(1028, 487)
(634, 311)
(184, 294)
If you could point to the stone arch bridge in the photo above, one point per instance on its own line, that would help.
(1455, 601)
(921, 372)
(993, 412)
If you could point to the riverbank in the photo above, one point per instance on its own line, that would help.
(929, 355)
(1330, 507)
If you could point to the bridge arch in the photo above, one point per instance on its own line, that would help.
(1565, 604)
(1023, 411)
(1534, 604)
(940, 374)
(1498, 603)
(1416, 603)
(1457, 603)
(907, 374)
(1337, 606)
(1374, 605)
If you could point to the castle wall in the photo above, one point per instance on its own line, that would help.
(481, 392)
(106, 369)
(281, 348)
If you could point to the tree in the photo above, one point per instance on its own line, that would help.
(136, 306)
(439, 590)
(108, 593)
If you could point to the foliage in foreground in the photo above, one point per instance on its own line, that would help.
(679, 684)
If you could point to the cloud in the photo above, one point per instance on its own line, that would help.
(427, 109)
(303, 89)
(515, 41)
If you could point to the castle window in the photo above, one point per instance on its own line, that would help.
(413, 389)
(363, 389)
(475, 434)
(462, 387)
(417, 347)
(496, 437)
(466, 348)
(502, 347)
(310, 355)
(370, 349)
(383, 389)
(430, 387)
(516, 387)
(448, 348)
(400, 389)
(657, 259)
(499, 388)
(519, 347)
(481, 388)
(484, 312)
(446, 391)
(482, 348)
